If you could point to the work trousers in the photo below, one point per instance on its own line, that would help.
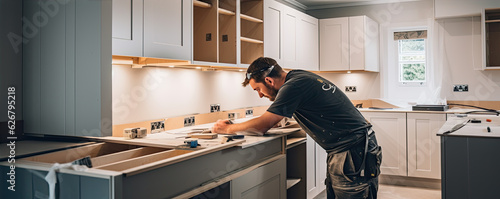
(342, 181)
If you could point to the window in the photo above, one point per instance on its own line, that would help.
(411, 60)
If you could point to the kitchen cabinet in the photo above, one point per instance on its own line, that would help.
(423, 144)
(268, 181)
(308, 43)
(291, 37)
(128, 27)
(349, 43)
(167, 29)
(153, 28)
(461, 8)
(490, 29)
(137, 170)
(390, 130)
(67, 68)
(251, 30)
(273, 13)
(316, 168)
(214, 31)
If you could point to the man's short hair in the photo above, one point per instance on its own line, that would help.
(257, 70)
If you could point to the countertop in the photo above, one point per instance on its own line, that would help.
(409, 110)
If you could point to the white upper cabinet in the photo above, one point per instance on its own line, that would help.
(334, 45)
(152, 28)
(349, 43)
(167, 29)
(307, 45)
(291, 37)
(461, 8)
(273, 13)
(127, 27)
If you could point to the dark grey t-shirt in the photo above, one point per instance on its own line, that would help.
(321, 109)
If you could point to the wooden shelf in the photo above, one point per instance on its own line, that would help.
(493, 21)
(225, 12)
(201, 4)
(291, 182)
(250, 18)
(249, 40)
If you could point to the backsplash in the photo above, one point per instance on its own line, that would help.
(153, 92)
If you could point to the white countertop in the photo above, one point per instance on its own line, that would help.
(472, 129)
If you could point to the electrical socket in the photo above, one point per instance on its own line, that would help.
(350, 88)
(158, 126)
(214, 108)
(233, 116)
(461, 88)
(189, 121)
(249, 113)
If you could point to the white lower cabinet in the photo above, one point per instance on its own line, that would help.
(390, 130)
(410, 146)
(424, 145)
(316, 168)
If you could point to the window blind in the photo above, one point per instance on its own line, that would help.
(419, 34)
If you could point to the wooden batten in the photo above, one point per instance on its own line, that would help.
(71, 155)
(142, 160)
(124, 155)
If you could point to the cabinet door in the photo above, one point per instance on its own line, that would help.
(273, 15)
(316, 168)
(424, 159)
(334, 45)
(390, 130)
(167, 29)
(268, 181)
(307, 46)
(357, 43)
(289, 35)
(127, 27)
(67, 65)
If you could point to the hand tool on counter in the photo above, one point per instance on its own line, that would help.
(229, 138)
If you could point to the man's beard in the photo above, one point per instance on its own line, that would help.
(272, 92)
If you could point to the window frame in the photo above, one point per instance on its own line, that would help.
(397, 59)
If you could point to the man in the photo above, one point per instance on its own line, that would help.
(327, 115)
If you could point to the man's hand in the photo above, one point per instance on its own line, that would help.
(221, 127)
(258, 125)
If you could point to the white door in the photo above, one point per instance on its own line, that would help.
(390, 130)
(334, 45)
(307, 46)
(424, 156)
(273, 15)
(167, 29)
(289, 35)
(127, 27)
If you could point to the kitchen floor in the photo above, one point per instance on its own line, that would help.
(400, 192)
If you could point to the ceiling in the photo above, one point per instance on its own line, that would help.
(319, 4)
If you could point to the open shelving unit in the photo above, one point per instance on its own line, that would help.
(491, 37)
(252, 30)
(214, 31)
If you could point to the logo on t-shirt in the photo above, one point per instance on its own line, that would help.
(326, 86)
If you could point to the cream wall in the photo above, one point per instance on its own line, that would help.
(152, 92)
(456, 53)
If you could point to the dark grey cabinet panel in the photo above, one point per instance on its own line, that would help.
(67, 67)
